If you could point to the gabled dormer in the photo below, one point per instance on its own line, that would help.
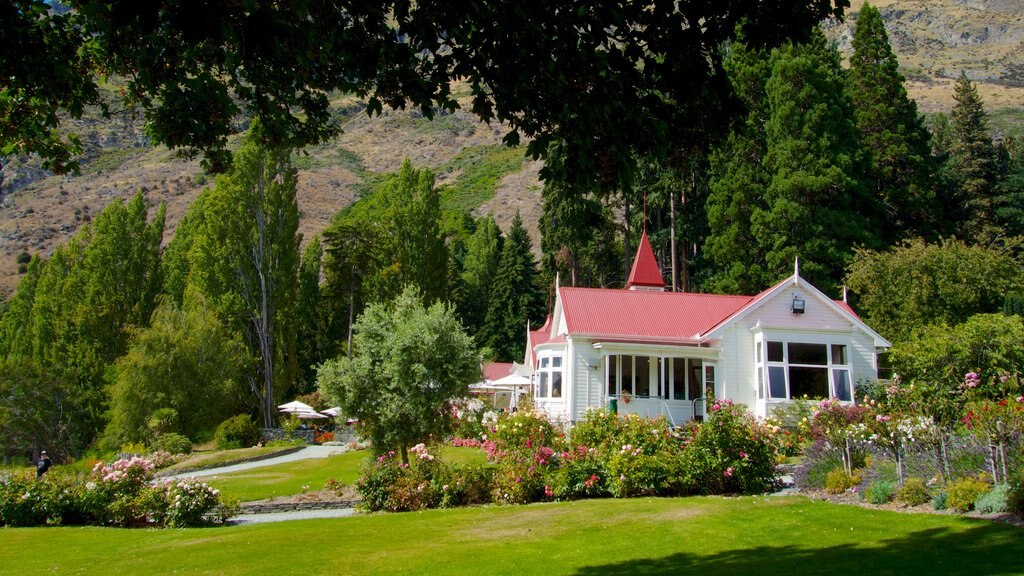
(646, 275)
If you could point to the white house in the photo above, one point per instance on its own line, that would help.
(657, 353)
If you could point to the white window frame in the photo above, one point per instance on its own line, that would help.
(763, 366)
(544, 376)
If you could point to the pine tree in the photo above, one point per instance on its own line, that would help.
(819, 208)
(972, 159)
(738, 182)
(515, 299)
(483, 254)
(902, 168)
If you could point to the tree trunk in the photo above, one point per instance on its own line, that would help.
(351, 308)
(405, 453)
(628, 260)
(672, 242)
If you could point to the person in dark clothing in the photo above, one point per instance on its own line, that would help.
(43, 465)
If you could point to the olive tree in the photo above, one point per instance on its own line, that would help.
(409, 363)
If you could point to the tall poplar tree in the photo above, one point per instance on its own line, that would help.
(515, 299)
(246, 257)
(902, 168)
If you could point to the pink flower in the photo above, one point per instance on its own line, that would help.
(883, 418)
(1020, 398)
(743, 454)
(716, 407)
(728, 471)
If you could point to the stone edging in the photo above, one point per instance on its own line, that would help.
(270, 507)
(267, 456)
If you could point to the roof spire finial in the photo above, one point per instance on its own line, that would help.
(844, 294)
(796, 270)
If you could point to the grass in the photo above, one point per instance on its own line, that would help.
(290, 478)
(480, 170)
(765, 535)
(222, 457)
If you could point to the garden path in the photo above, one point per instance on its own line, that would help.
(286, 516)
(304, 454)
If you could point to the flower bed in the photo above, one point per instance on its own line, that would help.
(605, 455)
(122, 493)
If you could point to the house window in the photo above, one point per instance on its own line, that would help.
(630, 375)
(683, 379)
(549, 377)
(805, 369)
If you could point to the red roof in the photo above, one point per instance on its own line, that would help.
(645, 315)
(645, 270)
(496, 370)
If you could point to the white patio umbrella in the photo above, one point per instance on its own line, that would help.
(308, 415)
(295, 406)
(512, 382)
(332, 412)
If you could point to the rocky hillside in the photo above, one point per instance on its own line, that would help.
(935, 40)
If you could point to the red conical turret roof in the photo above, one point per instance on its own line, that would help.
(645, 273)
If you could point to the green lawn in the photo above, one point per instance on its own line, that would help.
(765, 536)
(288, 479)
(223, 457)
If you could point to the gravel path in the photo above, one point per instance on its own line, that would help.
(286, 516)
(304, 454)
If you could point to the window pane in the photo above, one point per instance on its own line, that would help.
(556, 384)
(696, 386)
(613, 367)
(807, 354)
(544, 362)
(556, 362)
(838, 354)
(542, 378)
(777, 381)
(760, 384)
(643, 376)
(679, 378)
(841, 378)
(810, 382)
(757, 352)
(627, 374)
(775, 352)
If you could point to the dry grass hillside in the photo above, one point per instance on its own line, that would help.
(935, 40)
(41, 211)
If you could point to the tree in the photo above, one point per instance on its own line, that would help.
(483, 254)
(739, 180)
(818, 208)
(72, 316)
(186, 360)
(409, 363)
(516, 297)
(412, 248)
(972, 159)
(35, 410)
(652, 67)
(902, 169)
(246, 258)
(918, 284)
(310, 320)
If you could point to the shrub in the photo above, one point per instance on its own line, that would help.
(839, 480)
(914, 492)
(731, 453)
(995, 501)
(163, 421)
(581, 474)
(188, 502)
(964, 492)
(172, 443)
(940, 501)
(237, 432)
(1015, 495)
(881, 491)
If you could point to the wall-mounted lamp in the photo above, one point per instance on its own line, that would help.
(798, 305)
